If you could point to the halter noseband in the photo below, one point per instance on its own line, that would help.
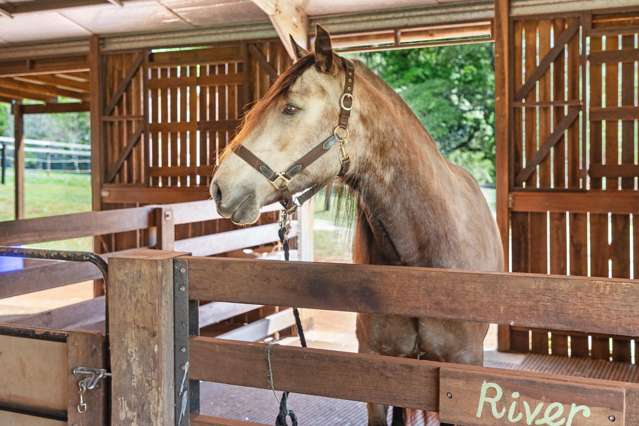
(281, 180)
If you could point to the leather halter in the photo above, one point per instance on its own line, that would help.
(281, 180)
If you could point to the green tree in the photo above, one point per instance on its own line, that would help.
(452, 91)
(4, 118)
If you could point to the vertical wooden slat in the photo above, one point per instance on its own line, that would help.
(164, 134)
(208, 114)
(620, 248)
(538, 221)
(182, 143)
(193, 118)
(558, 257)
(154, 160)
(173, 111)
(598, 222)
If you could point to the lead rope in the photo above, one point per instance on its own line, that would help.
(284, 411)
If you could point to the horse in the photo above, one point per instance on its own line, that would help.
(414, 207)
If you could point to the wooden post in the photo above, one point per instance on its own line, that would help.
(18, 163)
(165, 228)
(142, 338)
(97, 165)
(96, 103)
(503, 94)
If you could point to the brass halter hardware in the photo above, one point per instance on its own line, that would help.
(340, 135)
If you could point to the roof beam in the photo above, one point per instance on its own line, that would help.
(289, 20)
(19, 94)
(44, 66)
(56, 81)
(39, 89)
(5, 12)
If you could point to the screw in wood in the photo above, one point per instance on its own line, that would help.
(449, 395)
(612, 418)
(182, 288)
(182, 270)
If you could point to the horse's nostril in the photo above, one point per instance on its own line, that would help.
(216, 193)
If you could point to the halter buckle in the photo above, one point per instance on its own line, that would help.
(342, 101)
(280, 182)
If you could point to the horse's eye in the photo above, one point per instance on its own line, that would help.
(290, 109)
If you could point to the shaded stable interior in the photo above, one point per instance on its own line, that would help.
(163, 106)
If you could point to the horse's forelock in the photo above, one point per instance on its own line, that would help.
(283, 83)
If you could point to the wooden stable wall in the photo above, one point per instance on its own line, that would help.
(572, 171)
(166, 116)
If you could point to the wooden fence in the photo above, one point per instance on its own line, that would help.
(462, 394)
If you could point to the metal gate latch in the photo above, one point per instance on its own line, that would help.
(91, 378)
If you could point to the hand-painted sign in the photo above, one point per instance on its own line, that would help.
(478, 397)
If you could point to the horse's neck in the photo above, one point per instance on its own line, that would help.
(405, 186)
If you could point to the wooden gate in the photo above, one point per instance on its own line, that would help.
(167, 115)
(573, 161)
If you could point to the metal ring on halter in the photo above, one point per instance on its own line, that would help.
(341, 133)
(343, 98)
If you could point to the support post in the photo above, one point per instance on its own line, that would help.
(97, 99)
(97, 169)
(503, 125)
(3, 162)
(165, 228)
(141, 335)
(18, 162)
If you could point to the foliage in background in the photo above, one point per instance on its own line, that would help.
(72, 127)
(4, 118)
(452, 91)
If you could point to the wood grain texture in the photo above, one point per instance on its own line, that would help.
(569, 303)
(23, 368)
(16, 419)
(460, 392)
(363, 377)
(200, 420)
(86, 350)
(141, 337)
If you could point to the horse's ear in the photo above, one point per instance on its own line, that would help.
(324, 58)
(299, 51)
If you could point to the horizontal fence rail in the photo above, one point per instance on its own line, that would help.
(89, 224)
(591, 305)
(456, 391)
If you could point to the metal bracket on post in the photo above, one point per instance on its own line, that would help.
(186, 318)
(91, 378)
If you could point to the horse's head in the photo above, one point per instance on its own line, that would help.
(298, 112)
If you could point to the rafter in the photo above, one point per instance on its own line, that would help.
(18, 94)
(52, 80)
(289, 19)
(38, 89)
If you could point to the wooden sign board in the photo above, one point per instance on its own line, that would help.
(477, 398)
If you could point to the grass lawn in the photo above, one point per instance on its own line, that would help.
(48, 194)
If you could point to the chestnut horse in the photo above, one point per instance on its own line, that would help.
(414, 207)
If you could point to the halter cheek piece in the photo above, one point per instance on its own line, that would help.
(281, 180)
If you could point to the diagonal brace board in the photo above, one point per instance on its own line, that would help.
(124, 84)
(550, 57)
(259, 55)
(133, 141)
(544, 149)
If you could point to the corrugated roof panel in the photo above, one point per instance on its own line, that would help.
(141, 16)
(216, 12)
(38, 26)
